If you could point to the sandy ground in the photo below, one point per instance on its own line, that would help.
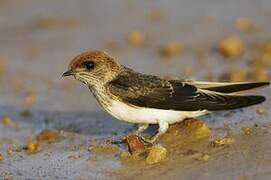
(37, 41)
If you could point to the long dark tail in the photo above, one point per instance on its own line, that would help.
(217, 101)
(229, 87)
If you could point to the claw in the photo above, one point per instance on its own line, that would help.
(147, 140)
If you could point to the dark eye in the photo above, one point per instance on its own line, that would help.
(88, 65)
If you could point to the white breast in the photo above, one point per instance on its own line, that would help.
(136, 114)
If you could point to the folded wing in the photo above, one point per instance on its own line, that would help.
(153, 92)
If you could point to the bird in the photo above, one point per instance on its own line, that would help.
(144, 99)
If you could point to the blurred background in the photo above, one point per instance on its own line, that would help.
(209, 40)
(204, 40)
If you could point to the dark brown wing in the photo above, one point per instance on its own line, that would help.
(153, 92)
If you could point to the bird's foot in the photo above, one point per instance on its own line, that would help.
(141, 128)
(147, 140)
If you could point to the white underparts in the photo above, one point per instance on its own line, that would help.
(142, 115)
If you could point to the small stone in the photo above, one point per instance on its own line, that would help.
(48, 135)
(26, 114)
(170, 49)
(30, 100)
(204, 157)
(261, 111)
(231, 47)
(75, 157)
(259, 73)
(244, 24)
(136, 38)
(190, 130)
(33, 147)
(135, 145)
(247, 130)
(157, 154)
(223, 142)
(7, 122)
(1, 157)
(10, 152)
(196, 128)
(235, 75)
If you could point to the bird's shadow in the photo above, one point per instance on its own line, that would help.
(89, 123)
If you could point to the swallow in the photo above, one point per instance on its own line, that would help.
(143, 99)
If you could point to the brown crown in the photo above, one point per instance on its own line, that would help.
(94, 56)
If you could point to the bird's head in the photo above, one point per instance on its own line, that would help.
(93, 67)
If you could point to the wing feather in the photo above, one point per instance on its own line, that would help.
(153, 92)
(226, 87)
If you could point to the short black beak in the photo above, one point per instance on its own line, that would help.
(67, 73)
